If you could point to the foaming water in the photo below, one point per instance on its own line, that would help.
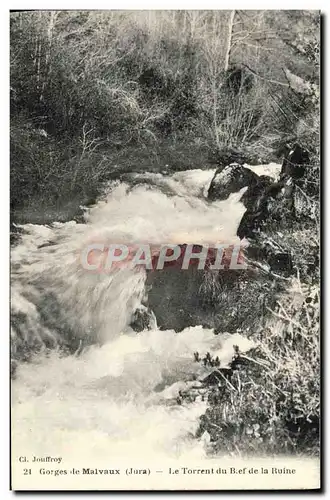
(47, 262)
(272, 169)
(116, 400)
(119, 393)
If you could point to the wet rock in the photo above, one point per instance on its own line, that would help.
(230, 180)
(269, 202)
(143, 319)
(272, 205)
(254, 191)
(271, 209)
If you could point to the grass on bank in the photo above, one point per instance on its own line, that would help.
(270, 404)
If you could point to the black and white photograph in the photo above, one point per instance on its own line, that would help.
(165, 250)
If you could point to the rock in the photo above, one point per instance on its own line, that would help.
(265, 180)
(230, 180)
(294, 163)
(143, 319)
(271, 207)
(253, 193)
(250, 223)
(273, 202)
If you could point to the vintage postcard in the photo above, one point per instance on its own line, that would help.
(165, 216)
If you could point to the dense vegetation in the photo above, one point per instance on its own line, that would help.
(268, 402)
(94, 93)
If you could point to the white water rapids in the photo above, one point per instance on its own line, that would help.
(116, 397)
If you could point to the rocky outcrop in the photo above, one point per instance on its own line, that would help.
(231, 179)
(266, 201)
(271, 210)
(273, 203)
(253, 193)
(270, 206)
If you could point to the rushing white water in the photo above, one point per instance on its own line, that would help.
(118, 394)
(115, 400)
(272, 169)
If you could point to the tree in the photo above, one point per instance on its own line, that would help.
(229, 40)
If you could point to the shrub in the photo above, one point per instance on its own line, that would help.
(270, 403)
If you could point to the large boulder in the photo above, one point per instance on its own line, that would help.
(230, 180)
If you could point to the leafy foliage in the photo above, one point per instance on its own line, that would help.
(267, 402)
(136, 79)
